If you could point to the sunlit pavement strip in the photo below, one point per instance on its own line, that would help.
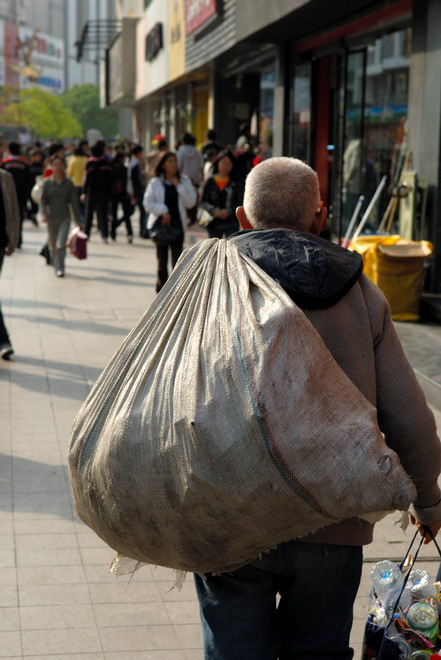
(57, 599)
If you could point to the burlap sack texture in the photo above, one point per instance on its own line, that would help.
(223, 426)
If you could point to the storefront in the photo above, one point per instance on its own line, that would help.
(349, 110)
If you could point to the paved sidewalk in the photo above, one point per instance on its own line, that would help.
(57, 599)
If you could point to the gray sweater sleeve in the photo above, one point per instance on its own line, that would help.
(404, 417)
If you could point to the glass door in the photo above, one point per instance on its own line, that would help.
(353, 167)
(300, 124)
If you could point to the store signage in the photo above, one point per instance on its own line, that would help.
(45, 48)
(176, 38)
(153, 42)
(198, 13)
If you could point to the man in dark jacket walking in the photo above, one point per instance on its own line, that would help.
(17, 166)
(96, 189)
(318, 576)
(9, 236)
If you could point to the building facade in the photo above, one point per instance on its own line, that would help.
(352, 88)
(38, 43)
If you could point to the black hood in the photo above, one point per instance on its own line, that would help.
(314, 272)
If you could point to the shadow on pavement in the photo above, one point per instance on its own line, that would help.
(39, 488)
(88, 325)
(88, 373)
(121, 273)
(46, 384)
(36, 303)
(113, 280)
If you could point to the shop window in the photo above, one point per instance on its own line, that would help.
(301, 120)
(353, 176)
(266, 112)
(375, 133)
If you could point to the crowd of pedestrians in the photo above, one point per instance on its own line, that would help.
(106, 183)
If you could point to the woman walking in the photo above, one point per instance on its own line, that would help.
(166, 199)
(219, 198)
(59, 197)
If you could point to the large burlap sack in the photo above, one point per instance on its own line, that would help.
(223, 426)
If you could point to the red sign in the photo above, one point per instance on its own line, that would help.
(198, 12)
(10, 54)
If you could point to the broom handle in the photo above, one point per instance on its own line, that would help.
(353, 221)
(370, 207)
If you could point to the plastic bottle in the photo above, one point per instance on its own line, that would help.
(390, 598)
(386, 577)
(421, 586)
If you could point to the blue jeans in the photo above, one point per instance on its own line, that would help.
(317, 584)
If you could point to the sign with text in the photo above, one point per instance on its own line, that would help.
(176, 39)
(198, 13)
(153, 42)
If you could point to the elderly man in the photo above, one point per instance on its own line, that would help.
(317, 577)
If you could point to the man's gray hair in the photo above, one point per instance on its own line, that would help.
(281, 192)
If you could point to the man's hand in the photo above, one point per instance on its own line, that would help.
(45, 219)
(424, 529)
(9, 250)
(82, 197)
(166, 219)
(221, 213)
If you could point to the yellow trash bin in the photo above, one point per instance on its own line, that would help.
(396, 266)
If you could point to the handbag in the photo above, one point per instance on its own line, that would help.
(204, 217)
(384, 642)
(77, 243)
(165, 234)
(37, 190)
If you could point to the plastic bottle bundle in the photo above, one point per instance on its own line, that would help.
(416, 625)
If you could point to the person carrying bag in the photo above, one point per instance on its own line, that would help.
(166, 199)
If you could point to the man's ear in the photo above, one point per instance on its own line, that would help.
(319, 222)
(242, 217)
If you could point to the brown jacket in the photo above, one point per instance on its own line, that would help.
(353, 319)
(359, 333)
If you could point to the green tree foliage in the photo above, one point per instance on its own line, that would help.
(83, 101)
(40, 112)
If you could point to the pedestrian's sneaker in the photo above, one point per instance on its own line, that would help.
(129, 238)
(59, 273)
(6, 351)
